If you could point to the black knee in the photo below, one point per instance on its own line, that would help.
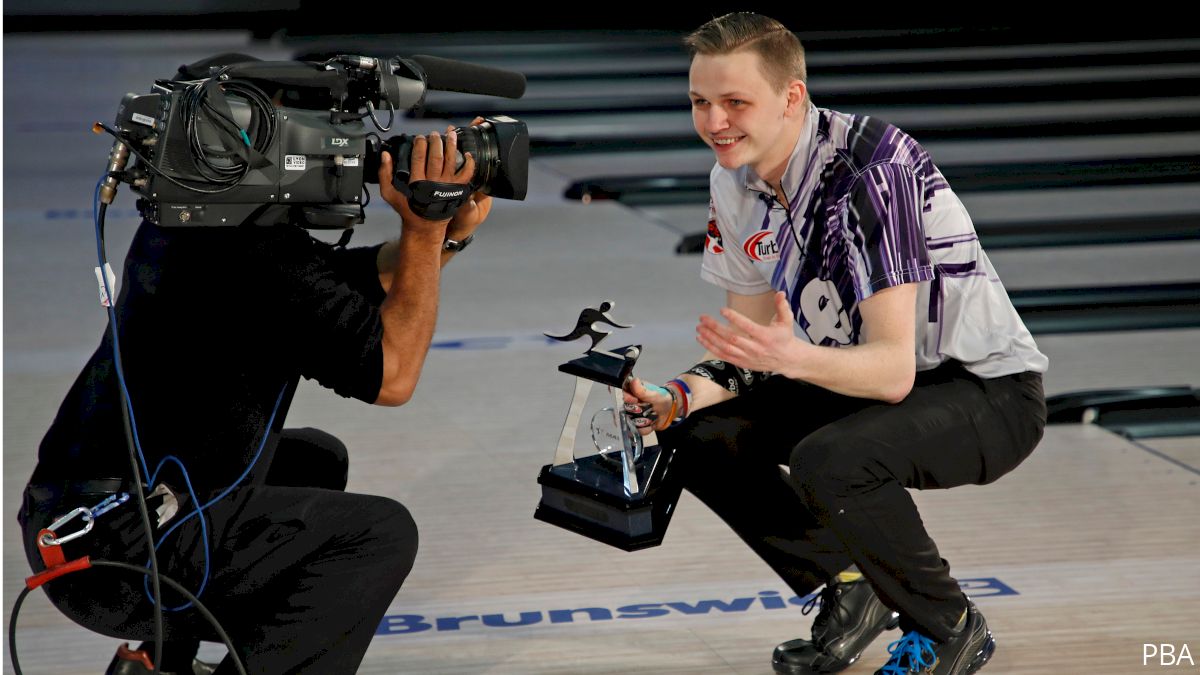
(310, 458)
(830, 465)
(394, 533)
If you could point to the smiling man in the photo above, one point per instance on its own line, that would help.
(867, 344)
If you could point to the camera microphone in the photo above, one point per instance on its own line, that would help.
(469, 78)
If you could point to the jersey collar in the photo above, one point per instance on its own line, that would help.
(806, 146)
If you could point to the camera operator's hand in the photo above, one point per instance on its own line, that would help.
(432, 159)
(474, 212)
(410, 267)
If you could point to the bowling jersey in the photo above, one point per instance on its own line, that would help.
(867, 210)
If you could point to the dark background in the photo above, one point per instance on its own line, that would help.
(962, 24)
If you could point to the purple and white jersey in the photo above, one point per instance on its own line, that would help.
(868, 210)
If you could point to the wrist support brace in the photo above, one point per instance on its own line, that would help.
(736, 380)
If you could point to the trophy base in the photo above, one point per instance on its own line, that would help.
(588, 497)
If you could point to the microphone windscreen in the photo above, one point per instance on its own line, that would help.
(469, 78)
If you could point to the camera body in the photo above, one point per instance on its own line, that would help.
(272, 142)
(312, 173)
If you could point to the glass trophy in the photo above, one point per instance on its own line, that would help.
(607, 481)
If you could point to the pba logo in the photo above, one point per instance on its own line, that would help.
(762, 247)
(714, 242)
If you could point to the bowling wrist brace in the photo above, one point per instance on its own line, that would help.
(736, 380)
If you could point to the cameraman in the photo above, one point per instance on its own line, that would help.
(216, 325)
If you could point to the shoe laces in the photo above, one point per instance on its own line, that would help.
(908, 655)
(816, 601)
(824, 602)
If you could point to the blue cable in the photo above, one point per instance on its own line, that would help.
(203, 533)
(112, 317)
(197, 510)
(226, 491)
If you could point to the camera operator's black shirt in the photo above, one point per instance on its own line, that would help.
(215, 324)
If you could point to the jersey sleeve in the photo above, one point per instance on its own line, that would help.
(884, 232)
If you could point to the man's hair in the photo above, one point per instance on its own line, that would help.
(779, 50)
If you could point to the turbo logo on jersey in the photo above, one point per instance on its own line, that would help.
(762, 247)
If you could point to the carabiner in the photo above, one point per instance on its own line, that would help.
(52, 539)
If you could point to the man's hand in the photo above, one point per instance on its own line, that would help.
(432, 159)
(648, 405)
(747, 344)
(474, 212)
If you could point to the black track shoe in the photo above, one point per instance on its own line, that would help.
(962, 654)
(851, 617)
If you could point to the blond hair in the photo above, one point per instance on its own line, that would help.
(779, 50)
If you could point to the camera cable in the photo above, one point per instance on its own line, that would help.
(50, 575)
(207, 100)
(135, 441)
(153, 576)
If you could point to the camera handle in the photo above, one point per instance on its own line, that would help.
(433, 200)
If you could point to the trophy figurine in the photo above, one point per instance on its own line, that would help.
(608, 483)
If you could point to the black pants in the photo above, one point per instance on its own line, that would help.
(850, 461)
(301, 572)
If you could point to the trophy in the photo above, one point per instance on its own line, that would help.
(608, 482)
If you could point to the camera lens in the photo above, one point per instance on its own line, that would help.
(499, 145)
(480, 141)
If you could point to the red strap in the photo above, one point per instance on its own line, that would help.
(57, 571)
(124, 653)
(52, 556)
